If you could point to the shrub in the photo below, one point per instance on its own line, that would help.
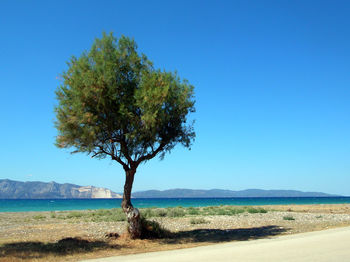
(75, 214)
(262, 210)
(118, 216)
(147, 212)
(104, 212)
(209, 211)
(176, 212)
(152, 229)
(193, 211)
(254, 210)
(161, 212)
(196, 221)
(288, 218)
(115, 214)
(39, 217)
(236, 211)
(222, 212)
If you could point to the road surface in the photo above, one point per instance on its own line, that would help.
(321, 246)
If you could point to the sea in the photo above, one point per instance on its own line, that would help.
(26, 205)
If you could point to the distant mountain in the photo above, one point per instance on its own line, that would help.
(190, 193)
(10, 189)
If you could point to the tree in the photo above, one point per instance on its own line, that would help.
(113, 103)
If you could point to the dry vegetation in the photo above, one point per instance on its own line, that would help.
(75, 235)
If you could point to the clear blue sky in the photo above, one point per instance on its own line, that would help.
(271, 79)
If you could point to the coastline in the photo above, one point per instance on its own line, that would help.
(24, 205)
(27, 234)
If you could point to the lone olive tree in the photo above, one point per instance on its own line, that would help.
(113, 103)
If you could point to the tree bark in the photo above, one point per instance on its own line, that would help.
(132, 214)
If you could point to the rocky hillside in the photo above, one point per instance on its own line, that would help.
(10, 189)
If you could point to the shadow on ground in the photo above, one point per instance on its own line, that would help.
(75, 246)
(219, 235)
(66, 246)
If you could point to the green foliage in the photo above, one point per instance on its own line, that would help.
(196, 221)
(253, 210)
(100, 215)
(39, 217)
(176, 212)
(228, 210)
(236, 211)
(148, 212)
(193, 211)
(288, 218)
(113, 102)
(152, 229)
(107, 215)
(104, 212)
(75, 214)
(160, 212)
(117, 214)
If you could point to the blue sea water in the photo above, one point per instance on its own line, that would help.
(22, 205)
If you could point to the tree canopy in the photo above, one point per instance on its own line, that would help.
(113, 103)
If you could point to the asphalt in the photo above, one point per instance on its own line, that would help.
(321, 246)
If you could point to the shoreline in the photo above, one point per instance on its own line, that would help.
(100, 233)
(288, 207)
(41, 205)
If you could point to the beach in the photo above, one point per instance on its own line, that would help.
(76, 235)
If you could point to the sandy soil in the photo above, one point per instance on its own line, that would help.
(321, 246)
(42, 236)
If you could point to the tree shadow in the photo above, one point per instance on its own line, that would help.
(66, 246)
(219, 235)
(72, 246)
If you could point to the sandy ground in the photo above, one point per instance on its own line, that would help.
(321, 246)
(40, 236)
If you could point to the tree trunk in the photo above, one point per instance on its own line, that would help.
(132, 214)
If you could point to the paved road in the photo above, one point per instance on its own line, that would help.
(328, 245)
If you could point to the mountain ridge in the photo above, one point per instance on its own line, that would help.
(10, 189)
(198, 193)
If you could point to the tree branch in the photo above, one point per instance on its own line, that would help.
(114, 157)
(96, 154)
(151, 155)
(118, 159)
(123, 148)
